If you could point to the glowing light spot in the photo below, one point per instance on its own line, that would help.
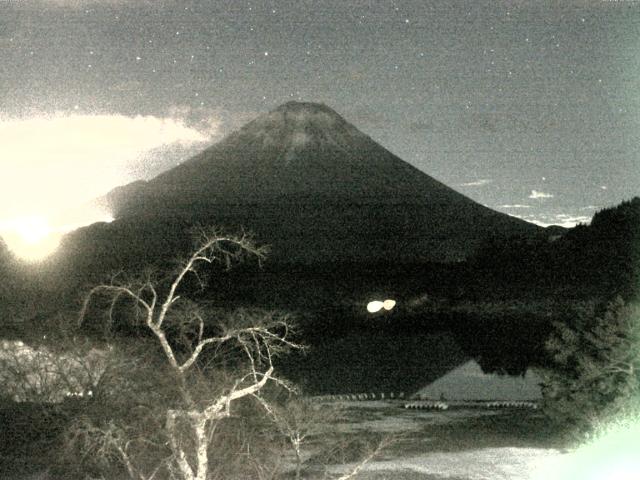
(375, 306)
(30, 238)
(388, 304)
(33, 238)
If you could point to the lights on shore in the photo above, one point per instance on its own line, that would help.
(388, 304)
(377, 305)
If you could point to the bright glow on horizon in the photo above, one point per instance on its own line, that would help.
(51, 163)
(54, 165)
(30, 238)
(33, 238)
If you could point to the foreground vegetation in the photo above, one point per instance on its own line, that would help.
(163, 383)
(193, 396)
(594, 376)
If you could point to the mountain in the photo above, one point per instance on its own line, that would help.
(598, 260)
(315, 188)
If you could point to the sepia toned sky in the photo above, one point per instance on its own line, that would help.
(529, 107)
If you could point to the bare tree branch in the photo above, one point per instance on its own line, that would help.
(260, 337)
(384, 443)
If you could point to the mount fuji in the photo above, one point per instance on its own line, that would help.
(316, 189)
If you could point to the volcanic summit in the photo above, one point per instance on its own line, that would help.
(317, 189)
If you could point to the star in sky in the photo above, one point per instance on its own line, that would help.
(463, 91)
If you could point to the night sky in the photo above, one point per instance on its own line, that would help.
(529, 107)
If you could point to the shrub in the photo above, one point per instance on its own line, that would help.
(596, 366)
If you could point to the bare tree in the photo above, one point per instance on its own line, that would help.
(183, 332)
(373, 452)
(595, 374)
(303, 423)
(297, 421)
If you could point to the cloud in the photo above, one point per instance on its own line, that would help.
(537, 195)
(52, 162)
(569, 216)
(205, 120)
(566, 220)
(517, 205)
(476, 183)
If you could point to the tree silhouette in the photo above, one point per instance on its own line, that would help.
(196, 395)
(596, 371)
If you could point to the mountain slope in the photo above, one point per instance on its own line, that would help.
(314, 187)
(299, 150)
